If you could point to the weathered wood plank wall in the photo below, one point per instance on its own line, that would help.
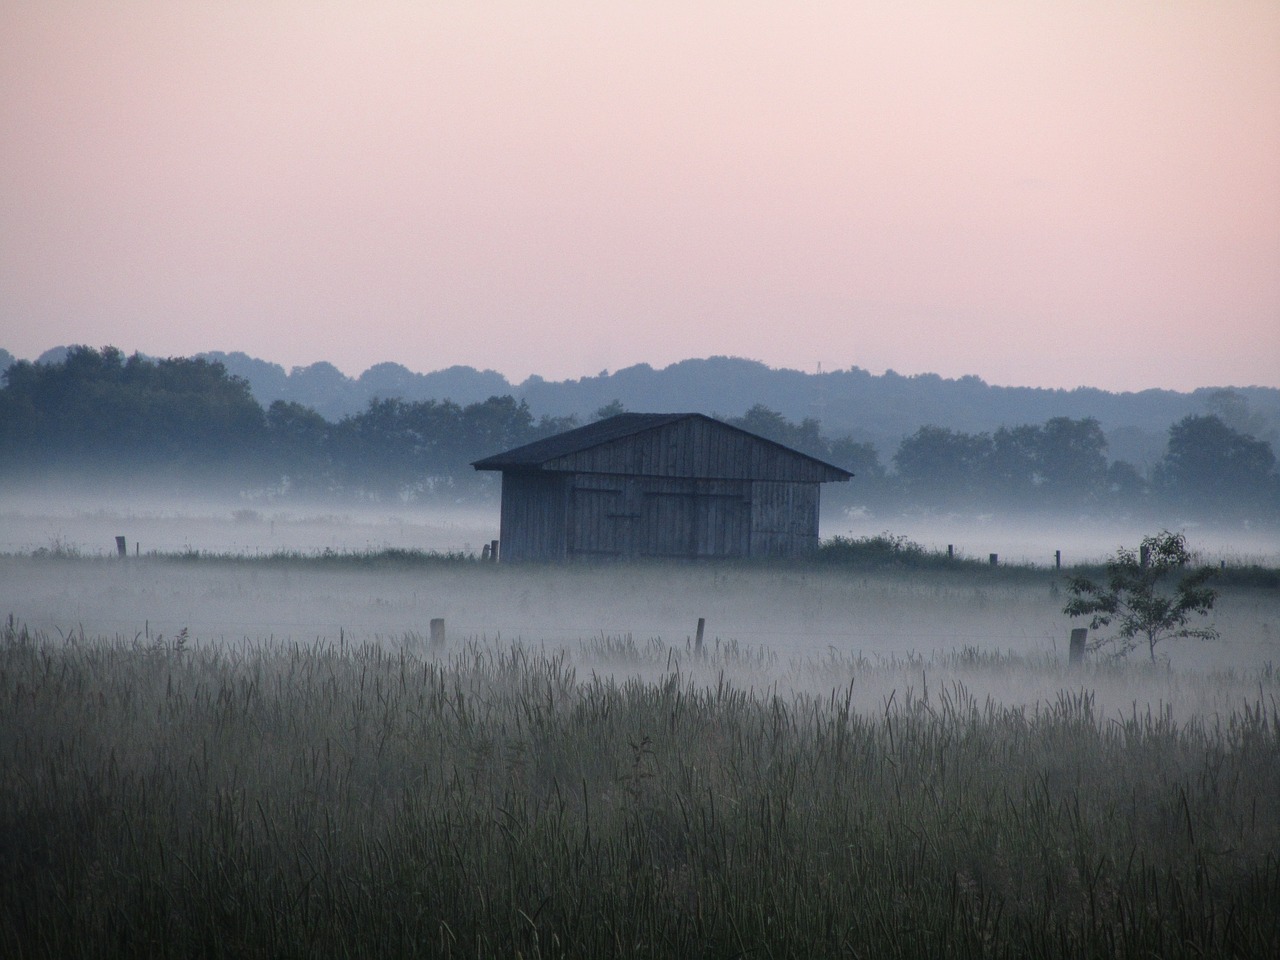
(593, 515)
(535, 514)
(784, 519)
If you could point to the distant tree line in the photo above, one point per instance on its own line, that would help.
(396, 449)
(879, 408)
(1208, 469)
(97, 413)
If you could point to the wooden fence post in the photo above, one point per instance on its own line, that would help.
(1144, 555)
(697, 642)
(1076, 654)
(121, 548)
(437, 631)
(493, 551)
(1057, 559)
(995, 559)
(951, 551)
(484, 554)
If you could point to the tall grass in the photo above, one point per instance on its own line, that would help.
(328, 799)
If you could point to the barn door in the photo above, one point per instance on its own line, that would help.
(667, 524)
(694, 518)
(601, 518)
(723, 526)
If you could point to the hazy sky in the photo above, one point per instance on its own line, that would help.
(1043, 193)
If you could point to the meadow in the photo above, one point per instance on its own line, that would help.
(884, 755)
(622, 798)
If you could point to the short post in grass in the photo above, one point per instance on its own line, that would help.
(1057, 559)
(697, 640)
(122, 549)
(437, 631)
(951, 551)
(493, 551)
(484, 554)
(995, 559)
(1075, 654)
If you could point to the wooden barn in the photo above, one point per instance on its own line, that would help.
(677, 485)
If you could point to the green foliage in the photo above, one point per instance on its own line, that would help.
(611, 409)
(1234, 409)
(1070, 458)
(299, 443)
(401, 449)
(1212, 467)
(94, 413)
(98, 410)
(861, 459)
(97, 413)
(1136, 597)
(882, 549)
(1060, 463)
(938, 464)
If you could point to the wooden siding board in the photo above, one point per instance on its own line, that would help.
(532, 520)
(784, 519)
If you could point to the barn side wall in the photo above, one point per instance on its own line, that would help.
(784, 519)
(534, 517)
(554, 517)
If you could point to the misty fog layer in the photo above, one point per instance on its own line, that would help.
(86, 520)
(803, 629)
(808, 628)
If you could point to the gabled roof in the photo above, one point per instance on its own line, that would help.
(533, 455)
(563, 452)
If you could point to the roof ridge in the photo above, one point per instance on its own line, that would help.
(620, 426)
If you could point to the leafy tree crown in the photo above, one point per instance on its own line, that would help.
(1137, 596)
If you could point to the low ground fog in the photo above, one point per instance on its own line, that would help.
(58, 574)
(810, 629)
(87, 521)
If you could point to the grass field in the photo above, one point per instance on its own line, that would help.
(893, 606)
(614, 796)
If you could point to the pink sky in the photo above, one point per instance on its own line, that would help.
(1040, 193)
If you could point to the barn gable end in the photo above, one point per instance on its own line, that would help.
(658, 485)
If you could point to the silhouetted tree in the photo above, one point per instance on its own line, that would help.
(610, 409)
(1135, 596)
(1071, 459)
(804, 436)
(299, 440)
(98, 411)
(860, 459)
(1234, 410)
(1014, 465)
(1125, 485)
(936, 465)
(1210, 467)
